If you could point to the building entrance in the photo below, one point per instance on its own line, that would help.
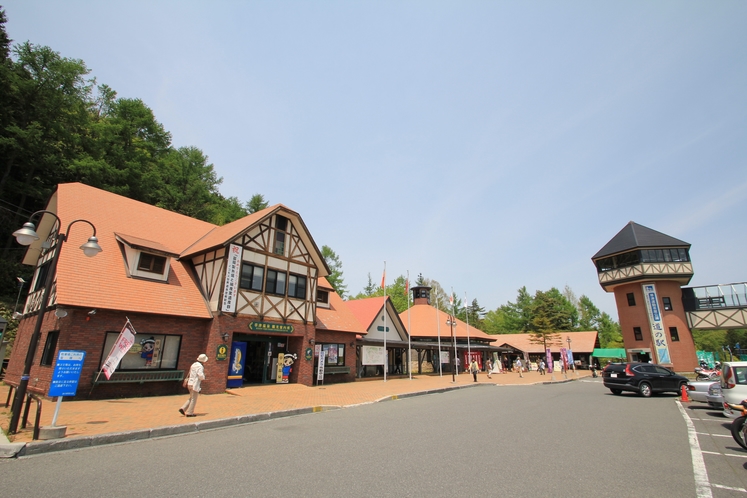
(258, 364)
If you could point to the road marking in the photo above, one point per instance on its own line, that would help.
(702, 486)
(725, 454)
(729, 488)
(713, 435)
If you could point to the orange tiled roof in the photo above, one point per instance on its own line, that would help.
(581, 342)
(425, 321)
(366, 310)
(102, 281)
(339, 316)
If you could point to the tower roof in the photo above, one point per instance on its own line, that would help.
(634, 236)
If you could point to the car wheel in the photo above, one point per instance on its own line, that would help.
(644, 389)
(616, 391)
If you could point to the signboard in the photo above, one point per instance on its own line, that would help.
(124, 342)
(282, 328)
(564, 358)
(657, 325)
(279, 369)
(233, 276)
(445, 357)
(236, 365)
(66, 373)
(221, 354)
(372, 355)
(548, 360)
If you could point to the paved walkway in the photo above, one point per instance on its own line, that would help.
(138, 418)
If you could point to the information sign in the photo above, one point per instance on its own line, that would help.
(66, 373)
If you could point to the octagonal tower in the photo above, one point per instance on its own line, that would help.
(646, 270)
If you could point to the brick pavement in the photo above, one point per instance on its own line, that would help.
(88, 418)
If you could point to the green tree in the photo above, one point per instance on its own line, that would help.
(335, 277)
(257, 203)
(395, 291)
(188, 184)
(542, 331)
(610, 335)
(556, 309)
(589, 314)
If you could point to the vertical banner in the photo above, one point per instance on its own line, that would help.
(570, 358)
(564, 358)
(123, 344)
(236, 365)
(233, 275)
(548, 360)
(657, 325)
(320, 367)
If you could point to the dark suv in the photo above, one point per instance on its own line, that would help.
(642, 378)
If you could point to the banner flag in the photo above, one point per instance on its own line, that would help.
(123, 344)
(383, 279)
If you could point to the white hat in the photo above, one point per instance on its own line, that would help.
(202, 358)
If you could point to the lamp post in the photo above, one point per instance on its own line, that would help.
(451, 321)
(25, 236)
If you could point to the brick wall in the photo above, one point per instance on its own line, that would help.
(682, 352)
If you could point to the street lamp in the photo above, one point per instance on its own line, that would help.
(451, 321)
(25, 236)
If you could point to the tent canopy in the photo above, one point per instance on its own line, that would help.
(609, 353)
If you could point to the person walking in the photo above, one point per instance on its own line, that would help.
(474, 368)
(489, 368)
(196, 376)
(518, 367)
(542, 367)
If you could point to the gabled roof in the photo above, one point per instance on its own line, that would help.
(634, 236)
(338, 317)
(581, 342)
(102, 281)
(222, 236)
(368, 309)
(426, 321)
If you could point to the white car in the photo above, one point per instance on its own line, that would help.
(733, 385)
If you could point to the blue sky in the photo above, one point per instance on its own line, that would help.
(486, 145)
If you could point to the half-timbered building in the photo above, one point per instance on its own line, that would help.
(245, 293)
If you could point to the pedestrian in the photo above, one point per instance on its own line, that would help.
(518, 367)
(196, 376)
(474, 368)
(489, 368)
(542, 367)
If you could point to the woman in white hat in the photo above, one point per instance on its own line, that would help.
(196, 376)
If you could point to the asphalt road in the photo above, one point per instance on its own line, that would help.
(573, 439)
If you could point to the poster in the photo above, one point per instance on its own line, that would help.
(372, 355)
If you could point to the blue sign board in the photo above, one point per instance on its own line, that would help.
(66, 373)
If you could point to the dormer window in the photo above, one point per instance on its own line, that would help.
(146, 259)
(322, 297)
(151, 263)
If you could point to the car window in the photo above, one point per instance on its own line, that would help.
(645, 369)
(740, 374)
(662, 371)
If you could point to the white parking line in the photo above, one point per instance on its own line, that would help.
(725, 454)
(714, 435)
(702, 486)
(729, 488)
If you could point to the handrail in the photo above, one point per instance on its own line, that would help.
(715, 296)
(24, 420)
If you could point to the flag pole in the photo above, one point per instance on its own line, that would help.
(438, 328)
(466, 312)
(453, 336)
(386, 353)
(409, 343)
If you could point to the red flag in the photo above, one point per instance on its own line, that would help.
(383, 280)
(407, 287)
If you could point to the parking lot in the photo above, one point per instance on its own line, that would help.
(724, 462)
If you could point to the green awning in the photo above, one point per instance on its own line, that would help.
(609, 353)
